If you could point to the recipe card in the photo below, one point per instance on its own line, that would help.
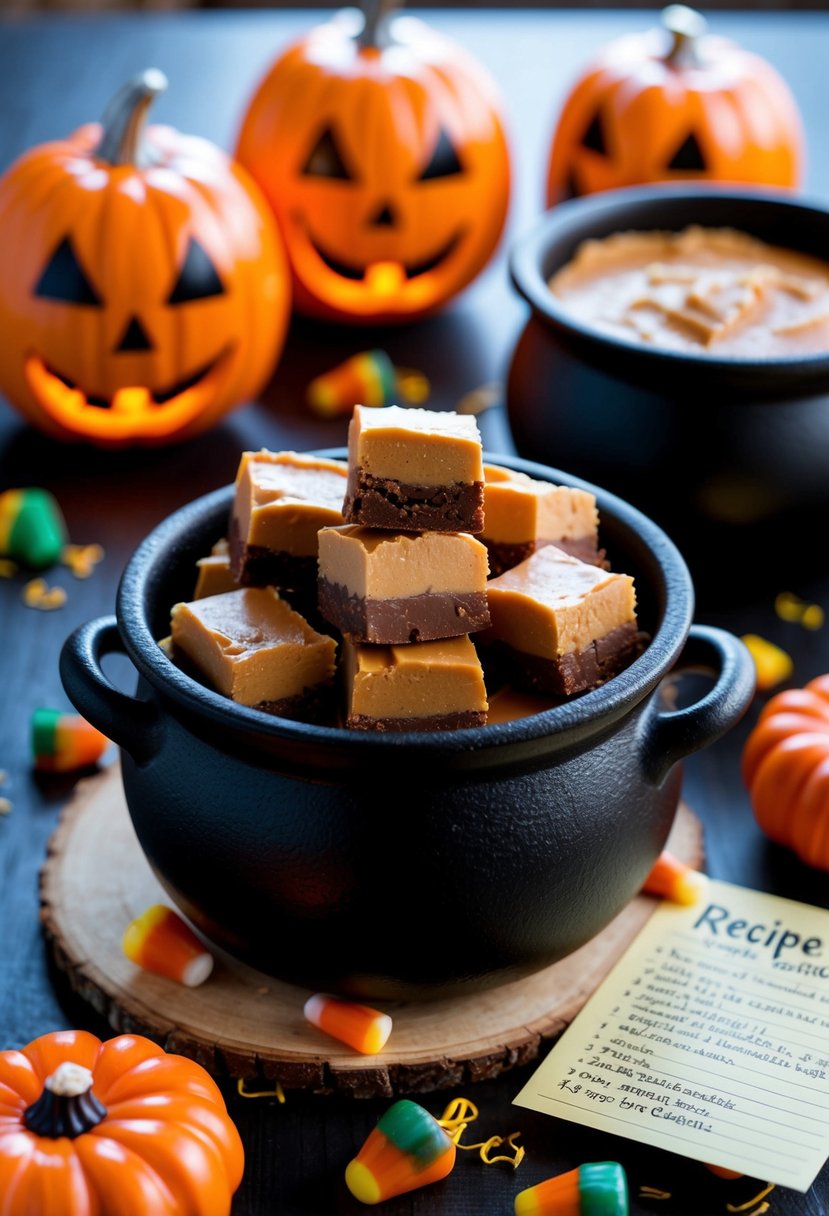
(709, 1038)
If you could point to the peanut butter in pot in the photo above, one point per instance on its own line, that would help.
(707, 291)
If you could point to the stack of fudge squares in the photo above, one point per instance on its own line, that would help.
(349, 594)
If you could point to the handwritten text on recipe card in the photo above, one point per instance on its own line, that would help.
(710, 1038)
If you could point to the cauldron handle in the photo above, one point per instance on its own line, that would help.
(131, 723)
(671, 735)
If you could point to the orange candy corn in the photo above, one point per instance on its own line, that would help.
(598, 1188)
(673, 879)
(64, 742)
(407, 1149)
(160, 941)
(365, 1029)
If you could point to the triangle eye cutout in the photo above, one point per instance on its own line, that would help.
(326, 160)
(198, 278)
(63, 279)
(688, 156)
(594, 137)
(444, 161)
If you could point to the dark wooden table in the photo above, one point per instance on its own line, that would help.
(56, 73)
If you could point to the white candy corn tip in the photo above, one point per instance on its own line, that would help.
(314, 1006)
(197, 970)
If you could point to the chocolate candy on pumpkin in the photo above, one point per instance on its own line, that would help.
(381, 148)
(675, 104)
(407, 1149)
(118, 1126)
(785, 767)
(149, 291)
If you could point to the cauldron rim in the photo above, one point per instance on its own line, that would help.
(545, 247)
(527, 738)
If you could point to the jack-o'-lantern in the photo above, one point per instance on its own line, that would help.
(380, 146)
(675, 104)
(148, 291)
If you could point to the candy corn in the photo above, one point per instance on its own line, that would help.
(368, 379)
(407, 1149)
(772, 664)
(32, 528)
(596, 1189)
(160, 941)
(722, 1172)
(365, 1029)
(62, 743)
(674, 880)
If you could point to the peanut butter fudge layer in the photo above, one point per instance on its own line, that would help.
(414, 470)
(215, 575)
(387, 587)
(282, 500)
(250, 645)
(560, 625)
(522, 515)
(425, 686)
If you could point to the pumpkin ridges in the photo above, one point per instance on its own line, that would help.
(188, 1163)
(122, 1182)
(49, 1050)
(163, 1074)
(119, 1056)
(820, 687)
(779, 780)
(810, 821)
(195, 1114)
(18, 1079)
(797, 700)
(53, 1183)
(774, 730)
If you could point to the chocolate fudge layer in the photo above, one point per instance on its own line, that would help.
(389, 588)
(413, 470)
(282, 500)
(562, 626)
(425, 686)
(215, 576)
(251, 646)
(522, 515)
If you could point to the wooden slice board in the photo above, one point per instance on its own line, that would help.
(245, 1024)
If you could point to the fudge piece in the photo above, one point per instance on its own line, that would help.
(215, 576)
(282, 500)
(250, 645)
(392, 587)
(414, 470)
(422, 686)
(522, 515)
(509, 704)
(561, 626)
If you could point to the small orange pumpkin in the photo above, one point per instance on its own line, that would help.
(116, 1127)
(675, 104)
(380, 146)
(148, 292)
(786, 769)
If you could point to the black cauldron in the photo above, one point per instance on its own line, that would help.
(402, 865)
(729, 455)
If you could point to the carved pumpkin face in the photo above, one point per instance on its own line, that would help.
(386, 165)
(145, 298)
(674, 105)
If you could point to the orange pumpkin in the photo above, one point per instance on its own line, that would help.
(380, 146)
(786, 770)
(675, 104)
(94, 1129)
(148, 292)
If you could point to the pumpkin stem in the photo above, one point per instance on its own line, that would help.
(376, 14)
(67, 1106)
(124, 119)
(686, 26)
